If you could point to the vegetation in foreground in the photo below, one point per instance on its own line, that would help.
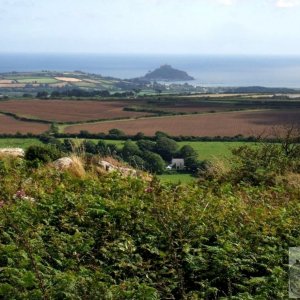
(86, 235)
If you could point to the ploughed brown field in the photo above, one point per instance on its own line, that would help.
(64, 111)
(11, 125)
(216, 124)
(197, 108)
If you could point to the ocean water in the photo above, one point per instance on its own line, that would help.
(269, 71)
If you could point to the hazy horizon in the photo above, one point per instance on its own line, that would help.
(212, 70)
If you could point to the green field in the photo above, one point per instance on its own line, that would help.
(213, 150)
(39, 80)
(177, 178)
(85, 84)
(18, 143)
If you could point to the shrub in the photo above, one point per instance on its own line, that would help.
(262, 163)
(108, 238)
(42, 153)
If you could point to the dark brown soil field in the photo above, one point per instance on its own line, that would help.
(196, 108)
(10, 125)
(64, 111)
(219, 124)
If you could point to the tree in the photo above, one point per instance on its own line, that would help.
(54, 128)
(112, 149)
(192, 164)
(42, 95)
(137, 162)
(190, 156)
(116, 132)
(188, 151)
(145, 145)
(89, 147)
(154, 162)
(102, 148)
(159, 134)
(68, 145)
(139, 136)
(55, 94)
(166, 148)
(130, 148)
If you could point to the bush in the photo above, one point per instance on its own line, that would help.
(261, 164)
(42, 153)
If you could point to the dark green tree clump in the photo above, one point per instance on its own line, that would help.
(43, 153)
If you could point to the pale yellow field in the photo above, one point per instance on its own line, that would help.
(68, 79)
(12, 85)
(6, 81)
(224, 95)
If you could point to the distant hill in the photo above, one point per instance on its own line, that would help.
(167, 73)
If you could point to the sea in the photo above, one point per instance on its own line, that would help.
(208, 70)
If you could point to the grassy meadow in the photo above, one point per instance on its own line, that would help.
(18, 143)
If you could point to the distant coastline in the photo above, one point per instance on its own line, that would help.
(207, 70)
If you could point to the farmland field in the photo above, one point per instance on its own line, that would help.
(68, 79)
(68, 111)
(44, 80)
(177, 178)
(18, 143)
(247, 123)
(11, 125)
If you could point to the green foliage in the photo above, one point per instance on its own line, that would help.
(154, 163)
(188, 151)
(90, 147)
(116, 132)
(145, 145)
(190, 156)
(54, 129)
(166, 148)
(42, 153)
(130, 148)
(137, 162)
(110, 238)
(262, 164)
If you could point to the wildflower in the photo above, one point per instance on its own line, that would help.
(149, 190)
(20, 194)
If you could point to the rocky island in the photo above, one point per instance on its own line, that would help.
(167, 73)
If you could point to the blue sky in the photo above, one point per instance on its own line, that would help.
(247, 27)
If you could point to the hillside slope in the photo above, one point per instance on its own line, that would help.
(98, 236)
(168, 73)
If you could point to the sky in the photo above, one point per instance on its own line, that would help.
(221, 27)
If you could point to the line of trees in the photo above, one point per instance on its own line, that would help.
(149, 155)
(81, 93)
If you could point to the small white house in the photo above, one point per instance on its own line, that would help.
(177, 164)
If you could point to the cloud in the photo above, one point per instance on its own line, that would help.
(287, 3)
